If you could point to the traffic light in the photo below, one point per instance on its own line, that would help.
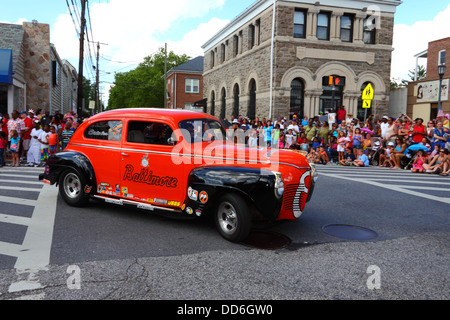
(338, 81)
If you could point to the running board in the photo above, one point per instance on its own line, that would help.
(139, 205)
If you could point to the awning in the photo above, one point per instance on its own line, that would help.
(6, 68)
(200, 103)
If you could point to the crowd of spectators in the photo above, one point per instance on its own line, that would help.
(386, 142)
(29, 137)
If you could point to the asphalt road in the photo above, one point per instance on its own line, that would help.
(108, 252)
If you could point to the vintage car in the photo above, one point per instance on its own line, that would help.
(183, 163)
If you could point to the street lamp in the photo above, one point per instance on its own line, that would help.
(441, 72)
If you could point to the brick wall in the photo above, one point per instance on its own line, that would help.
(433, 57)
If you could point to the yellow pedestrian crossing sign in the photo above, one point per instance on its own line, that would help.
(367, 104)
(368, 92)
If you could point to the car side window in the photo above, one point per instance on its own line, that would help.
(149, 133)
(105, 130)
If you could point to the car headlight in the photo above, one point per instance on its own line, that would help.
(279, 185)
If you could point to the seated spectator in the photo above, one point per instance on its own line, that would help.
(362, 160)
(439, 137)
(446, 167)
(315, 143)
(348, 157)
(321, 156)
(399, 153)
(311, 156)
(437, 163)
(418, 163)
(331, 150)
(386, 157)
(302, 141)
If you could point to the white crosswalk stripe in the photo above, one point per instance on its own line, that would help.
(34, 251)
(404, 181)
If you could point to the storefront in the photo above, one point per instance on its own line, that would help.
(6, 79)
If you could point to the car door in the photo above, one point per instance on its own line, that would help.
(148, 173)
(102, 145)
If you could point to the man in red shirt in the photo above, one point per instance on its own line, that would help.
(340, 114)
(26, 138)
(419, 131)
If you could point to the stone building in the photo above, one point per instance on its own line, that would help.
(35, 77)
(275, 58)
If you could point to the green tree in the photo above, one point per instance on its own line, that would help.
(143, 87)
(421, 75)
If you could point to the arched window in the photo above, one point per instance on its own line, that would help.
(223, 104)
(236, 101)
(297, 98)
(251, 112)
(213, 103)
(331, 98)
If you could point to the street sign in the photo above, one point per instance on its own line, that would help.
(368, 92)
(367, 104)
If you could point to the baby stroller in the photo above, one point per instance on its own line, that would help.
(408, 161)
(374, 154)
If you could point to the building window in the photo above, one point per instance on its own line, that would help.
(212, 59)
(299, 24)
(347, 28)
(55, 72)
(251, 112)
(236, 101)
(192, 85)
(441, 60)
(213, 103)
(223, 104)
(236, 45)
(297, 99)
(369, 31)
(223, 51)
(251, 36)
(323, 26)
(258, 32)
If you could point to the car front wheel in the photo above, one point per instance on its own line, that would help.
(71, 188)
(232, 218)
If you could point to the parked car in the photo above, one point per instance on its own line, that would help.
(180, 162)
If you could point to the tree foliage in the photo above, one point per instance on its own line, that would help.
(421, 75)
(143, 87)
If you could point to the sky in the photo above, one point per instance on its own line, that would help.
(130, 30)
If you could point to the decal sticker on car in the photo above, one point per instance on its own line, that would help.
(147, 176)
(203, 197)
(144, 162)
(192, 194)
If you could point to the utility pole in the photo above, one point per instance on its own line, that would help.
(96, 109)
(80, 64)
(165, 76)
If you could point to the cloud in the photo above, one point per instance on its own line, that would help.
(194, 39)
(128, 30)
(410, 40)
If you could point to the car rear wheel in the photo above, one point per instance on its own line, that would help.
(232, 218)
(71, 188)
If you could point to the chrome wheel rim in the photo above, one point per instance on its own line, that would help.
(72, 185)
(227, 218)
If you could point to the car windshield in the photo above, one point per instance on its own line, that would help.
(202, 130)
